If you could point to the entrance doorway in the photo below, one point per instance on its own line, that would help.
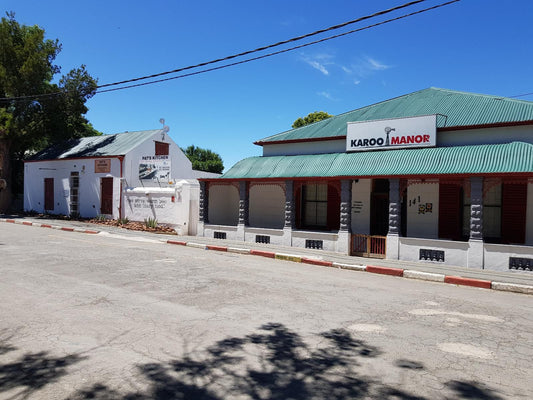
(49, 194)
(106, 190)
(379, 207)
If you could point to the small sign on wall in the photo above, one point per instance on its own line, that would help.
(102, 166)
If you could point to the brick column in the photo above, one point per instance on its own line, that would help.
(475, 250)
(203, 206)
(289, 213)
(393, 236)
(345, 228)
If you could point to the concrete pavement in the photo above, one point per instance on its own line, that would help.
(513, 281)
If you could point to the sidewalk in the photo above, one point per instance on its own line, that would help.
(514, 281)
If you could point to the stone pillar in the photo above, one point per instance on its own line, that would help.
(289, 213)
(243, 209)
(475, 250)
(393, 236)
(203, 206)
(345, 228)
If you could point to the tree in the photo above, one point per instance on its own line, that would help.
(310, 118)
(204, 160)
(34, 112)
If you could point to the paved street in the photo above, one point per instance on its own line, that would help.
(111, 317)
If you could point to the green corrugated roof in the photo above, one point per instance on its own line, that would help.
(513, 157)
(95, 146)
(454, 109)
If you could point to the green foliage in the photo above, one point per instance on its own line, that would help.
(150, 222)
(204, 160)
(122, 221)
(310, 118)
(28, 125)
(101, 217)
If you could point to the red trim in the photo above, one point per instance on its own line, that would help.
(66, 228)
(73, 158)
(27, 223)
(11, 221)
(320, 139)
(262, 253)
(457, 280)
(442, 129)
(46, 226)
(91, 232)
(384, 270)
(313, 261)
(335, 178)
(217, 248)
(178, 242)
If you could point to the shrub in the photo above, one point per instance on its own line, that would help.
(150, 222)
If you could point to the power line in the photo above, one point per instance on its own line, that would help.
(244, 53)
(39, 96)
(279, 51)
(520, 95)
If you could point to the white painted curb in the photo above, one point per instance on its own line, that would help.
(238, 250)
(351, 267)
(425, 276)
(197, 245)
(512, 287)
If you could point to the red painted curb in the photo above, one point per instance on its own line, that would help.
(27, 223)
(177, 242)
(92, 232)
(10, 221)
(457, 280)
(384, 270)
(261, 253)
(65, 228)
(46, 226)
(317, 262)
(217, 248)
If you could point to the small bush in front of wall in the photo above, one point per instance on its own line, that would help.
(74, 215)
(101, 217)
(122, 221)
(150, 222)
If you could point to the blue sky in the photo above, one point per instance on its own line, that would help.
(481, 46)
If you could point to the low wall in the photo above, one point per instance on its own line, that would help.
(497, 256)
(455, 253)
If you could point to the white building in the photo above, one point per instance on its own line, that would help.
(435, 175)
(134, 175)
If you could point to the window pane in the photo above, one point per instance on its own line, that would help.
(310, 192)
(310, 213)
(321, 214)
(322, 192)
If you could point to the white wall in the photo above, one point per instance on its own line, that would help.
(223, 205)
(361, 192)
(319, 147)
(455, 253)
(486, 136)
(266, 206)
(420, 223)
(181, 167)
(89, 190)
(496, 256)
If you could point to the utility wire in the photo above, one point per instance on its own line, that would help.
(38, 96)
(279, 51)
(245, 53)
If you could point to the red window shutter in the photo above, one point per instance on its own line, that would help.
(161, 149)
(49, 194)
(514, 206)
(450, 218)
(334, 209)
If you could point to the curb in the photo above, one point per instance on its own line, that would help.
(398, 272)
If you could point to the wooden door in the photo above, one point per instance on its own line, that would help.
(48, 194)
(106, 190)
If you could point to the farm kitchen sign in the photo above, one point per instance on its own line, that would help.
(388, 134)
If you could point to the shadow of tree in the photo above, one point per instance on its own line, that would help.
(272, 363)
(472, 390)
(32, 371)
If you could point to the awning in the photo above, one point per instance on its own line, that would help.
(516, 157)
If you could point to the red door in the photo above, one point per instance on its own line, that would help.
(106, 190)
(48, 194)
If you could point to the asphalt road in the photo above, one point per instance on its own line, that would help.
(109, 317)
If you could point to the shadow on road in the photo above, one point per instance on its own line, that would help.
(275, 363)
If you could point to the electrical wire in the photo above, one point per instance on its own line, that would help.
(279, 51)
(39, 96)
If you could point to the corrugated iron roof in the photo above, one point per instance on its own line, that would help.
(516, 157)
(95, 146)
(453, 109)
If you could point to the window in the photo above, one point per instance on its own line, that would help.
(315, 205)
(161, 149)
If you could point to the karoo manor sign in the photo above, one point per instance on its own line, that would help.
(389, 134)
